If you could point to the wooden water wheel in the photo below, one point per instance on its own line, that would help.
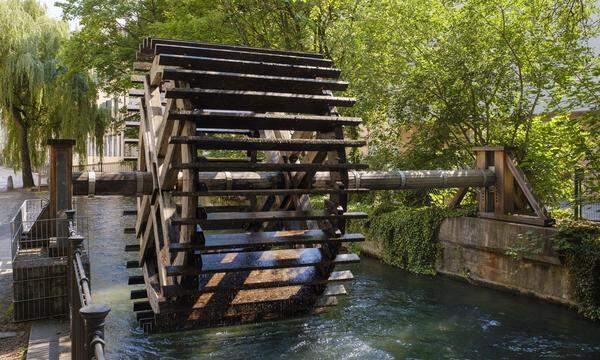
(217, 256)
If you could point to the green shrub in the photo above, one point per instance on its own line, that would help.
(409, 235)
(578, 242)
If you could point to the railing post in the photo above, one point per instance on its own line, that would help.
(71, 221)
(76, 326)
(94, 316)
(577, 180)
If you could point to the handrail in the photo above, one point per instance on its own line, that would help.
(87, 318)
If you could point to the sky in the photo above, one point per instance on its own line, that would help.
(53, 11)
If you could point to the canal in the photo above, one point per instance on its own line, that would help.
(388, 314)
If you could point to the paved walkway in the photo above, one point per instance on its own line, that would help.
(17, 178)
(49, 340)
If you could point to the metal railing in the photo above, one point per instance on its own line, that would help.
(87, 318)
(40, 250)
(107, 167)
(586, 205)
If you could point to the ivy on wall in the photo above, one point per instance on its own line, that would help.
(409, 235)
(578, 242)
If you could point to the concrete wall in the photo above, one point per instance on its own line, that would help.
(475, 249)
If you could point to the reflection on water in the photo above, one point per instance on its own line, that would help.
(387, 314)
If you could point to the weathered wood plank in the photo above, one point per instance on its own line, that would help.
(260, 260)
(154, 41)
(252, 82)
(247, 67)
(257, 121)
(269, 238)
(260, 279)
(267, 192)
(261, 167)
(211, 143)
(238, 54)
(259, 101)
(224, 220)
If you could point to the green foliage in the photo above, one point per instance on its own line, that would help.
(40, 97)
(555, 147)
(455, 75)
(579, 243)
(526, 245)
(433, 77)
(409, 235)
(112, 30)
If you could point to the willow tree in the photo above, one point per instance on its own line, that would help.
(39, 97)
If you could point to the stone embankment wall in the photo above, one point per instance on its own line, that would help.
(476, 249)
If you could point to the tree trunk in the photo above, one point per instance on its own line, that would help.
(25, 159)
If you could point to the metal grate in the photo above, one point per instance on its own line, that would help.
(40, 250)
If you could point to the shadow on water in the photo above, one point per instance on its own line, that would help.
(387, 314)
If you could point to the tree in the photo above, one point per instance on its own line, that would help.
(39, 97)
(112, 30)
(454, 75)
(433, 77)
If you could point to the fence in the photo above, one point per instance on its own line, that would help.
(50, 267)
(87, 318)
(107, 167)
(586, 204)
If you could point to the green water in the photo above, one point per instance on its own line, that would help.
(388, 314)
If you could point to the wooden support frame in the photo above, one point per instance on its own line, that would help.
(498, 201)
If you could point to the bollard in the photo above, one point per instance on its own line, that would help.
(94, 316)
(60, 183)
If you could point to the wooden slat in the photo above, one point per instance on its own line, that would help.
(253, 82)
(260, 260)
(141, 306)
(129, 230)
(144, 315)
(129, 212)
(225, 208)
(211, 143)
(132, 248)
(260, 167)
(269, 238)
(268, 192)
(224, 131)
(137, 79)
(135, 92)
(259, 101)
(138, 294)
(136, 280)
(335, 290)
(254, 121)
(154, 41)
(246, 67)
(141, 66)
(133, 264)
(224, 220)
(260, 279)
(237, 54)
